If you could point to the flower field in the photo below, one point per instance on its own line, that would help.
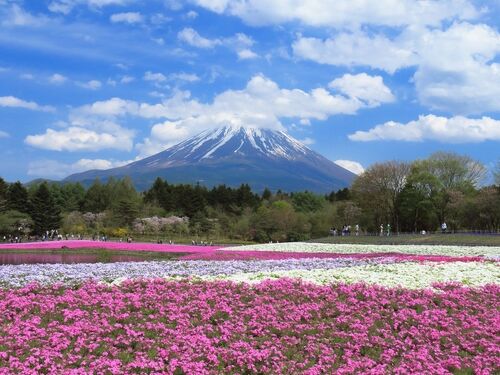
(273, 308)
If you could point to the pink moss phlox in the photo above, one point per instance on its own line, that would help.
(281, 326)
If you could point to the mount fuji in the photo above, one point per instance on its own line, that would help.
(234, 155)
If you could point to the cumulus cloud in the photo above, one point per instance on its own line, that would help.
(154, 77)
(456, 129)
(56, 169)
(127, 79)
(343, 13)
(4, 134)
(13, 102)
(57, 79)
(260, 104)
(246, 54)
(188, 77)
(355, 49)
(457, 68)
(79, 138)
(350, 165)
(191, 37)
(91, 85)
(127, 17)
(191, 14)
(369, 89)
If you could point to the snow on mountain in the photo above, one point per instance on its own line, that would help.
(233, 155)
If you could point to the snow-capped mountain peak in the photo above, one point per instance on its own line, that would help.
(233, 155)
(239, 140)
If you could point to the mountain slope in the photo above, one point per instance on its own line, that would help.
(234, 155)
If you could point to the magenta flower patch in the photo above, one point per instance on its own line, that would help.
(284, 326)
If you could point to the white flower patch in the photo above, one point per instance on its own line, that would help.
(410, 275)
(307, 247)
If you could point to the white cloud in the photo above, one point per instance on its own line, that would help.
(239, 42)
(159, 78)
(262, 104)
(27, 76)
(110, 107)
(57, 79)
(79, 138)
(191, 37)
(343, 13)
(66, 6)
(17, 16)
(4, 134)
(13, 102)
(188, 77)
(457, 68)
(246, 54)
(159, 19)
(355, 49)
(56, 169)
(456, 129)
(154, 77)
(307, 141)
(350, 165)
(191, 14)
(127, 79)
(128, 17)
(91, 85)
(369, 89)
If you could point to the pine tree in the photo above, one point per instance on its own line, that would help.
(4, 187)
(45, 212)
(17, 198)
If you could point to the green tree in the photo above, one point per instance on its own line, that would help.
(438, 176)
(376, 192)
(4, 188)
(97, 198)
(307, 201)
(127, 211)
(45, 213)
(17, 198)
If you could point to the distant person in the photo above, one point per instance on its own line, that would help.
(388, 230)
(444, 227)
(381, 230)
(357, 229)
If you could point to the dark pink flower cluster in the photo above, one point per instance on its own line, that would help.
(124, 246)
(284, 326)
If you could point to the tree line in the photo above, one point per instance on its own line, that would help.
(411, 197)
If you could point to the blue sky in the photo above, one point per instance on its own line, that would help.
(98, 83)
